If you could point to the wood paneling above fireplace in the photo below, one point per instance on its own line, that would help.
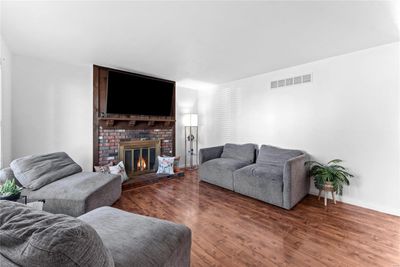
(102, 120)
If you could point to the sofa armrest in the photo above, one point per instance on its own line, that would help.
(296, 182)
(209, 153)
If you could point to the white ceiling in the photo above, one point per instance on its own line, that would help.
(211, 42)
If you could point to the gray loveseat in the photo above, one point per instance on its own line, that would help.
(101, 238)
(58, 180)
(278, 176)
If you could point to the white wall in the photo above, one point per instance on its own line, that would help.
(350, 111)
(52, 109)
(186, 102)
(5, 104)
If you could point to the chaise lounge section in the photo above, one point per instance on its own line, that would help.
(66, 189)
(79, 193)
(136, 240)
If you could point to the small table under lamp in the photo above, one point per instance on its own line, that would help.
(190, 121)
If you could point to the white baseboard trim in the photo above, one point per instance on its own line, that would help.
(359, 203)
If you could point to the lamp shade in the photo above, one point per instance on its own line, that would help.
(190, 119)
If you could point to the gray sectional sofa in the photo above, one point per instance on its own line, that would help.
(273, 175)
(102, 237)
(66, 189)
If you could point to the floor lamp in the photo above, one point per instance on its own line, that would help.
(190, 121)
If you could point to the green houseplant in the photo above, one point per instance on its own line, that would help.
(9, 190)
(331, 174)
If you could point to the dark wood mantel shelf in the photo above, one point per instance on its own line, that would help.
(133, 121)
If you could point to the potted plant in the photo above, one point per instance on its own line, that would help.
(329, 177)
(10, 191)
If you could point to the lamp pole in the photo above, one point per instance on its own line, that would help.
(191, 139)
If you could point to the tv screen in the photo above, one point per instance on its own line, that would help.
(135, 94)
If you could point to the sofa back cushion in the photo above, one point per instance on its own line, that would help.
(245, 153)
(36, 171)
(32, 237)
(275, 156)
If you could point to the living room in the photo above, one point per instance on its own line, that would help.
(290, 85)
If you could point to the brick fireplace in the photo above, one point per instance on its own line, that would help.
(109, 141)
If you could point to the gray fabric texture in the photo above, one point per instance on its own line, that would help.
(209, 153)
(220, 171)
(261, 182)
(36, 171)
(245, 153)
(270, 155)
(296, 181)
(136, 240)
(8, 174)
(4, 262)
(79, 193)
(29, 237)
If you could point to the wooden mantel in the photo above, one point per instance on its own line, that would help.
(136, 121)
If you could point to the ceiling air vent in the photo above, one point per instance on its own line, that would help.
(306, 78)
(297, 80)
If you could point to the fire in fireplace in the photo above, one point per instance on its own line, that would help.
(139, 156)
(141, 164)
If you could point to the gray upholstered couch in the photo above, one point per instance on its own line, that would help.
(277, 176)
(100, 238)
(217, 164)
(58, 180)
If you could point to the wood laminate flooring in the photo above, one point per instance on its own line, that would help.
(229, 229)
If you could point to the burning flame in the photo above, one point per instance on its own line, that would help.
(141, 164)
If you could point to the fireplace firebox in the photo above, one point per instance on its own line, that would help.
(139, 156)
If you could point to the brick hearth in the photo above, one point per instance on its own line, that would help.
(109, 141)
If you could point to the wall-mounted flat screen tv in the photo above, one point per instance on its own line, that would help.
(134, 94)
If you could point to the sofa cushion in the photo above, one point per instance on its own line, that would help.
(29, 237)
(245, 153)
(261, 182)
(8, 174)
(36, 171)
(78, 193)
(275, 156)
(136, 240)
(220, 171)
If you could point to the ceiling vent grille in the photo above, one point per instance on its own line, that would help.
(306, 78)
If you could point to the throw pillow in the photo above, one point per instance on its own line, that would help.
(119, 169)
(165, 165)
(30, 237)
(103, 168)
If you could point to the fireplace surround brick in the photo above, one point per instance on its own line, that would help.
(108, 141)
